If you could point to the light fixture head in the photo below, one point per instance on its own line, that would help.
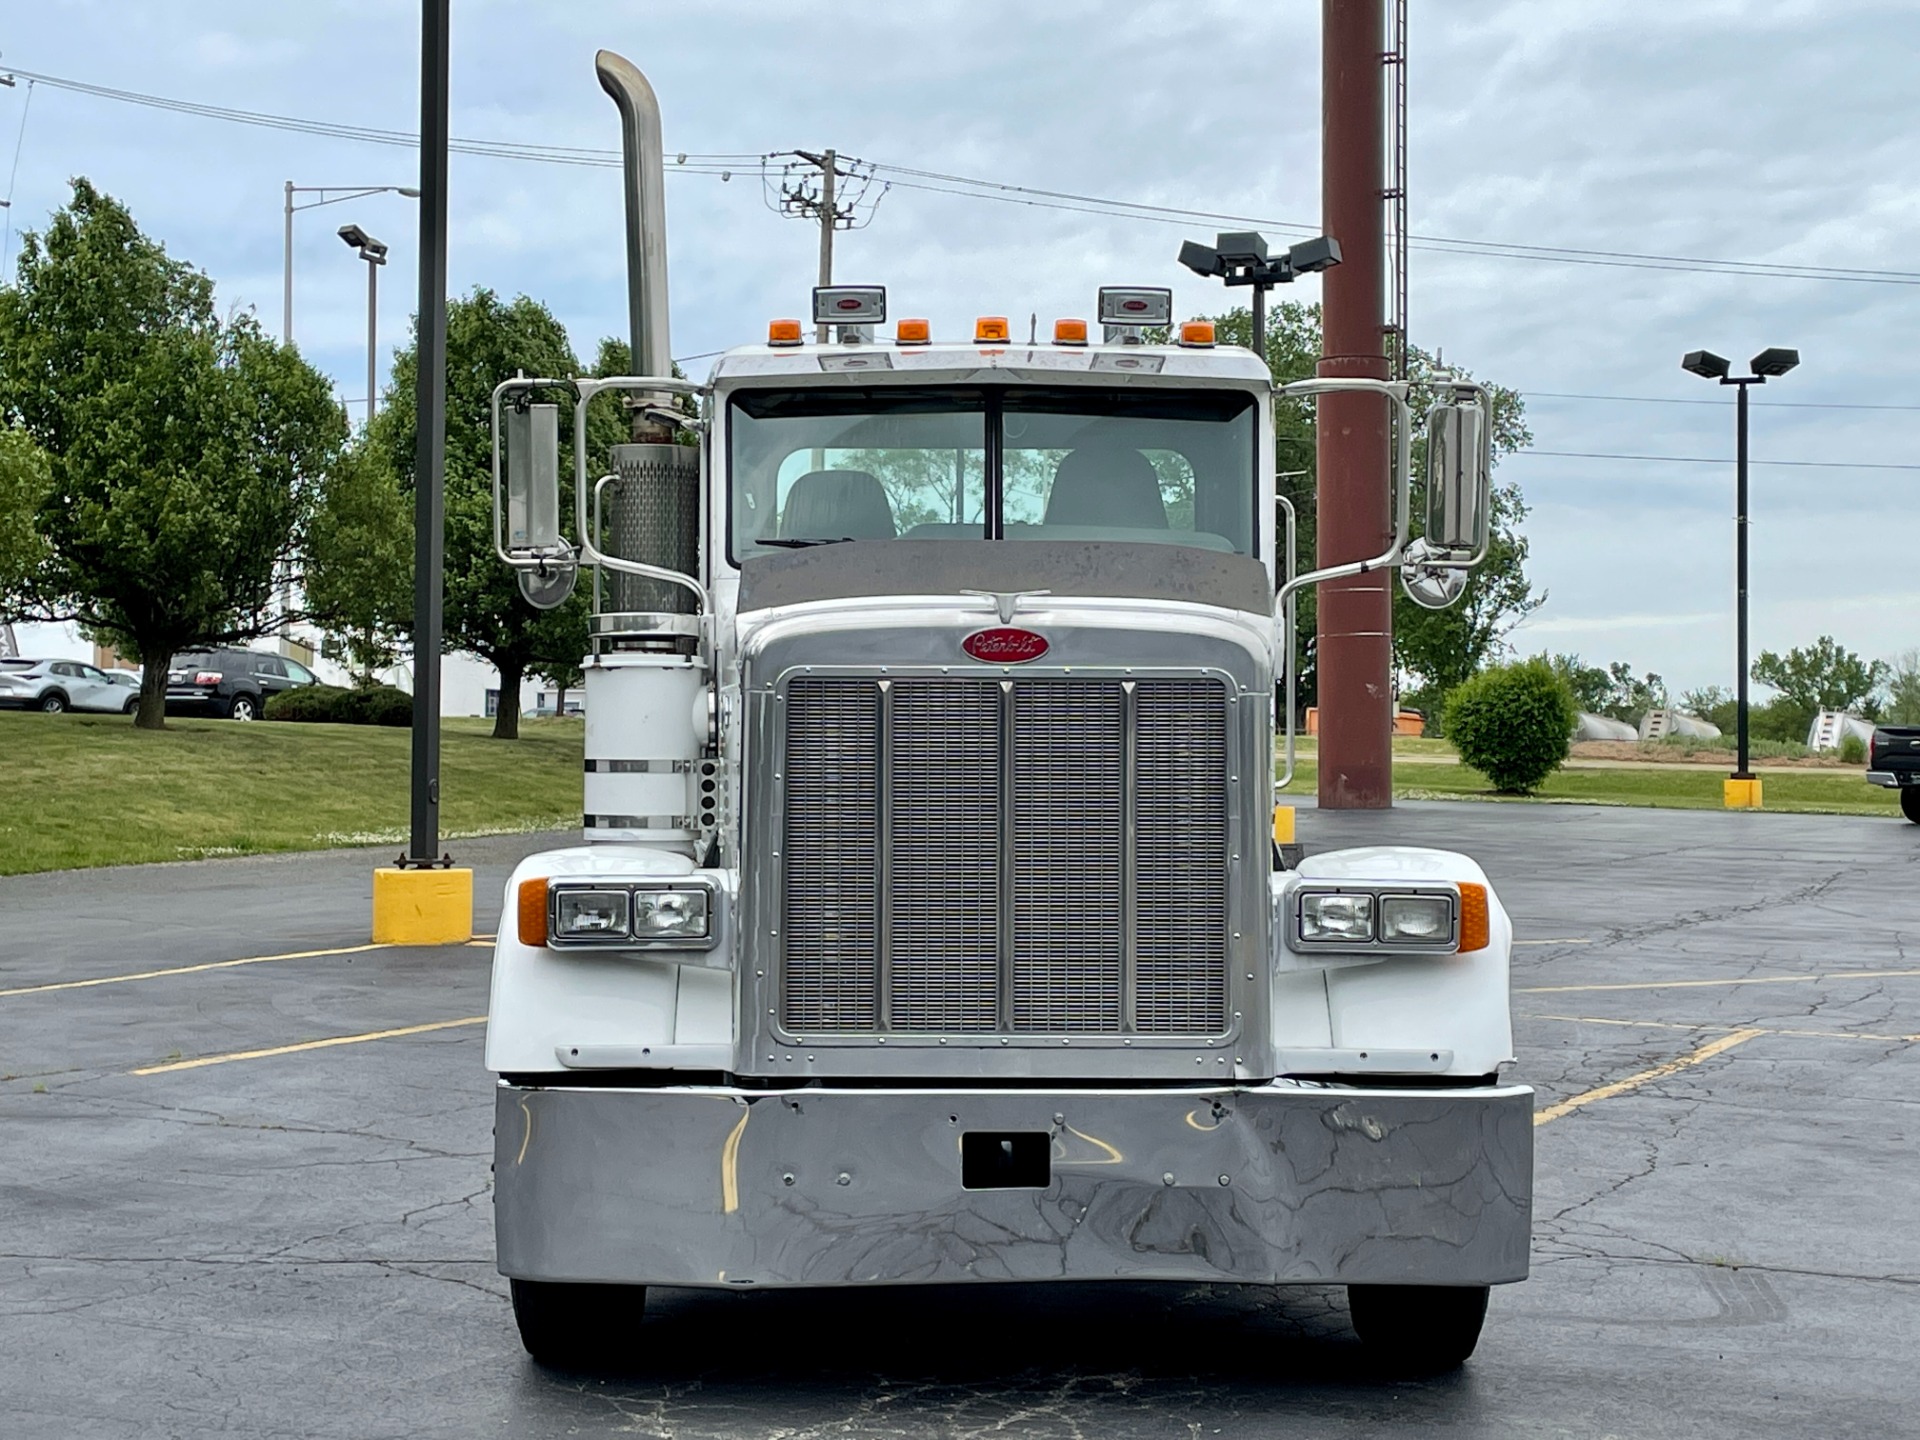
(1320, 253)
(1775, 361)
(1201, 259)
(1705, 364)
(369, 248)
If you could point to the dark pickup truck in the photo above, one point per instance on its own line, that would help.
(1894, 761)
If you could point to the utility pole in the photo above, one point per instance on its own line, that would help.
(1355, 650)
(823, 205)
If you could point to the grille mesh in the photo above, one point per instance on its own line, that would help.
(990, 824)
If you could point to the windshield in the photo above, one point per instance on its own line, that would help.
(817, 467)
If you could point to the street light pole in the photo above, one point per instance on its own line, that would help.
(1742, 789)
(329, 195)
(374, 252)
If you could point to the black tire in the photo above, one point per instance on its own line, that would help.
(574, 1327)
(132, 707)
(1418, 1329)
(243, 707)
(53, 702)
(1910, 802)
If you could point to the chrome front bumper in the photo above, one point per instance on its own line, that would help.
(1286, 1182)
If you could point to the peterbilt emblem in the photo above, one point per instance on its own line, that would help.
(1004, 645)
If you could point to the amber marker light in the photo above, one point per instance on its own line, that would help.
(1476, 926)
(1069, 332)
(783, 332)
(912, 332)
(990, 328)
(1197, 332)
(533, 912)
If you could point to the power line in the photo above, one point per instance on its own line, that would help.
(1672, 400)
(1716, 460)
(974, 187)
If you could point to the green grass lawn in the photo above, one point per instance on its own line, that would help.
(86, 790)
(1826, 792)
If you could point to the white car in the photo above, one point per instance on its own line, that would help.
(57, 685)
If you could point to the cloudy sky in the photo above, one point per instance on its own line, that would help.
(1778, 134)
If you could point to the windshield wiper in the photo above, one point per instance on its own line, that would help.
(801, 544)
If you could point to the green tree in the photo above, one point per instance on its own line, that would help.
(25, 479)
(184, 450)
(1437, 649)
(358, 577)
(488, 340)
(1821, 676)
(1903, 689)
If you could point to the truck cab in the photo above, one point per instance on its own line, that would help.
(928, 924)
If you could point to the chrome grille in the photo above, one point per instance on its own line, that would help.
(1040, 856)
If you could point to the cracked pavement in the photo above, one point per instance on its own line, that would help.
(301, 1244)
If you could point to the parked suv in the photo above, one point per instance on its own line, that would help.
(1893, 760)
(56, 685)
(233, 683)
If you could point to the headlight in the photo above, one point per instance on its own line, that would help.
(1416, 919)
(590, 914)
(670, 914)
(1336, 917)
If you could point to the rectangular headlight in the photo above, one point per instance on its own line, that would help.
(1416, 919)
(1336, 917)
(590, 914)
(670, 914)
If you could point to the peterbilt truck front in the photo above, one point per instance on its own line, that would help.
(928, 926)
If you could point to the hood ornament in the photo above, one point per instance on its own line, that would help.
(1006, 602)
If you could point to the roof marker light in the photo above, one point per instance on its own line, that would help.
(990, 328)
(1197, 333)
(1069, 332)
(912, 332)
(783, 332)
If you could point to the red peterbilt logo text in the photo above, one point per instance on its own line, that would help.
(1005, 645)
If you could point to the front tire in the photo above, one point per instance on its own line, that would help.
(243, 707)
(570, 1326)
(53, 702)
(1910, 802)
(1418, 1329)
(132, 707)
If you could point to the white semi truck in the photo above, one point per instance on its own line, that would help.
(928, 925)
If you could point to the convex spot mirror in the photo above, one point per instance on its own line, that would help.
(1432, 587)
(532, 443)
(1458, 479)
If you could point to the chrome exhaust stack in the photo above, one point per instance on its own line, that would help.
(653, 506)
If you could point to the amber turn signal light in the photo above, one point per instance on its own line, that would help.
(1476, 926)
(783, 332)
(1069, 332)
(989, 327)
(533, 912)
(1197, 332)
(912, 332)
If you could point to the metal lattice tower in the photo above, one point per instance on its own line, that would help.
(1395, 191)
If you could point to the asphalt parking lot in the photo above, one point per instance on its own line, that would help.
(246, 1184)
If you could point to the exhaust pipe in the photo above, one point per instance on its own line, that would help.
(654, 507)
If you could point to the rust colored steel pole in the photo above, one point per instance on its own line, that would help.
(1355, 650)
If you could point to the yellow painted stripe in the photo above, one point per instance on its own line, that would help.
(1564, 940)
(188, 969)
(1768, 1030)
(1645, 1077)
(328, 1043)
(1703, 984)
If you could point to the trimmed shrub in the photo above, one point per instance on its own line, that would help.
(1853, 750)
(1513, 724)
(332, 705)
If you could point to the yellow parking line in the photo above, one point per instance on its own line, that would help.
(1698, 984)
(1769, 1030)
(1634, 1082)
(189, 969)
(307, 1045)
(1563, 940)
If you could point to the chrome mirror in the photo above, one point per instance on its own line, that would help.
(1458, 479)
(533, 479)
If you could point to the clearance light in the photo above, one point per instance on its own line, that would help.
(989, 328)
(533, 912)
(1475, 926)
(1069, 332)
(1197, 332)
(912, 332)
(783, 332)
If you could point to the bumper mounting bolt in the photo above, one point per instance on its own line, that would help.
(786, 1179)
(1167, 1179)
(1226, 1179)
(843, 1178)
